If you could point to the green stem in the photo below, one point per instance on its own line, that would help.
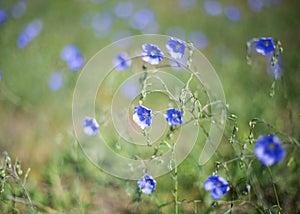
(175, 190)
(274, 188)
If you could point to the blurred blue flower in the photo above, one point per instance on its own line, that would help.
(256, 5)
(142, 116)
(173, 117)
(130, 89)
(264, 46)
(275, 70)
(176, 31)
(147, 184)
(32, 30)
(142, 19)
(69, 52)
(124, 9)
(18, 9)
(102, 23)
(72, 56)
(176, 48)
(86, 19)
(269, 150)
(90, 126)
(121, 61)
(233, 13)
(121, 35)
(218, 185)
(1, 75)
(97, 1)
(199, 39)
(152, 54)
(55, 81)
(212, 7)
(152, 28)
(3, 16)
(76, 63)
(187, 3)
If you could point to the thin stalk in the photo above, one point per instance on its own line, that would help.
(274, 188)
(176, 190)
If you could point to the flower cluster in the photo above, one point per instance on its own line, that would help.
(269, 150)
(72, 56)
(142, 116)
(147, 184)
(153, 55)
(32, 30)
(272, 49)
(90, 126)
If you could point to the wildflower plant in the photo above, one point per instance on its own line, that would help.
(272, 49)
(164, 130)
(13, 183)
(149, 111)
(167, 130)
(269, 47)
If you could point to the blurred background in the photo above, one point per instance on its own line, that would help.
(37, 84)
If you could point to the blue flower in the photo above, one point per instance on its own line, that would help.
(90, 126)
(72, 56)
(275, 70)
(269, 150)
(142, 116)
(32, 30)
(264, 46)
(3, 16)
(147, 184)
(152, 54)
(173, 117)
(218, 185)
(56, 81)
(18, 9)
(0, 75)
(121, 61)
(176, 48)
